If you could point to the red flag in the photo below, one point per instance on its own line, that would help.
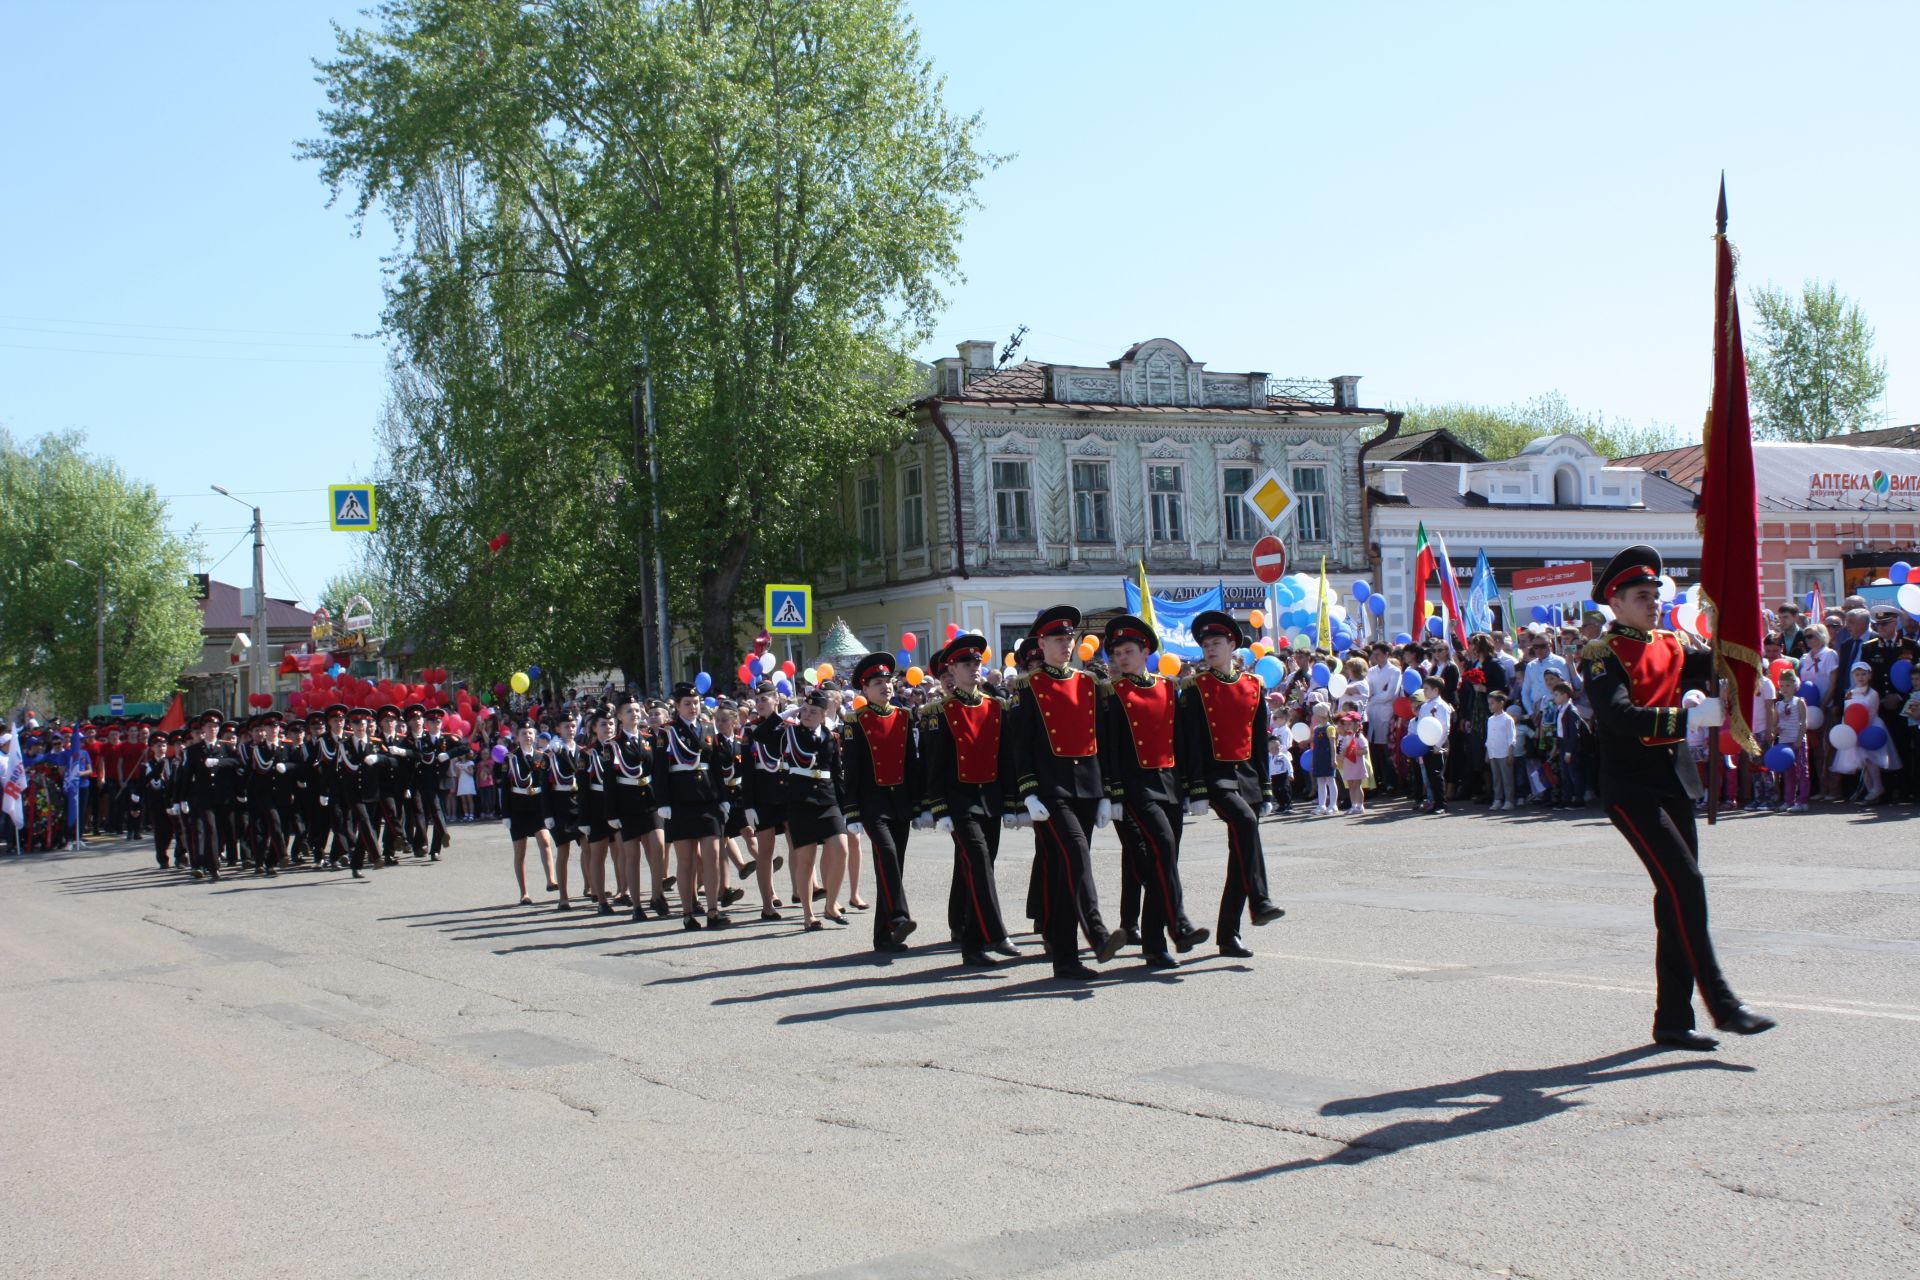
(1422, 570)
(1729, 520)
(176, 717)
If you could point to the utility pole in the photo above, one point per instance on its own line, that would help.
(664, 643)
(259, 679)
(99, 632)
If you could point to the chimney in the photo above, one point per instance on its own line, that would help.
(1393, 482)
(977, 354)
(1346, 391)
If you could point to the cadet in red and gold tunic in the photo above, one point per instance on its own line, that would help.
(1137, 741)
(1223, 762)
(881, 778)
(1056, 760)
(1635, 678)
(962, 740)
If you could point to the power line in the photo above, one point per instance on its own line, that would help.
(273, 555)
(230, 550)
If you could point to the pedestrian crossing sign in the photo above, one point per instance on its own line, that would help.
(350, 508)
(789, 609)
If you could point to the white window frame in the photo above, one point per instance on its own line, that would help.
(1073, 499)
(1184, 536)
(1304, 497)
(995, 489)
(1834, 569)
(1233, 507)
(876, 548)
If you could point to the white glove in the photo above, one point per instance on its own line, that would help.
(1195, 808)
(613, 824)
(280, 768)
(1010, 822)
(1103, 813)
(1036, 810)
(134, 798)
(726, 810)
(943, 824)
(856, 829)
(753, 817)
(323, 801)
(548, 824)
(666, 812)
(442, 757)
(922, 821)
(407, 794)
(185, 808)
(372, 757)
(209, 762)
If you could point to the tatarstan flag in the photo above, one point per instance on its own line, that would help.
(1422, 570)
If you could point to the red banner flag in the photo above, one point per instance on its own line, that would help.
(1729, 520)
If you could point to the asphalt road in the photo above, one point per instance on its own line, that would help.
(1435, 1066)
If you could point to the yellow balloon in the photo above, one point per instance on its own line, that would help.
(518, 682)
(1169, 665)
(915, 675)
(824, 671)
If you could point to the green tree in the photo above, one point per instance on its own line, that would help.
(1503, 431)
(57, 504)
(763, 196)
(1811, 365)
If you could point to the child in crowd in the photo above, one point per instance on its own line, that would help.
(1352, 749)
(1280, 771)
(1790, 731)
(1433, 765)
(1326, 792)
(1500, 742)
(463, 789)
(1569, 734)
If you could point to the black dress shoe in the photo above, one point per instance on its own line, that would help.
(1189, 938)
(901, 931)
(719, 920)
(976, 959)
(753, 864)
(623, 901)
(1743, 1021)
(1133, 934)
(1110, 946)
(1074, 970)
(731, 896)
(771, 915)
(815, 925)
(688, 922)
(1698, 1041)
(606, 908)
(888, 944)
(1161, 960)
(657, 905)
(669, 882)
(1267, 914)
(1232, 947)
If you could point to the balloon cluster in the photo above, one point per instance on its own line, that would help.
(1298, 618)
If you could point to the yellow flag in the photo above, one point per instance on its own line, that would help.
(1325, 639)
(1146, 599)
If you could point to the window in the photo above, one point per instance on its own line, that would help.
(1012, 502)
(1802, 574)
(1166, 503)
(1237, 522)
(1092, 502)
(1310, 494)
(870, 543)
(913, 508)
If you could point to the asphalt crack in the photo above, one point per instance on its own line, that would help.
(1441, 1255)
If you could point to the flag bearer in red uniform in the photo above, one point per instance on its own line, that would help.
(962, 740)
(1056, 758)
(1136, 738)
(1223, 759)
(881, 779)
(1635, 677)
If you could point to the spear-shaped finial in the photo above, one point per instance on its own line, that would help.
(1720, 217)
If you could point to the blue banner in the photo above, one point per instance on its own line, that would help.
(1173, 619)
(1478, 606)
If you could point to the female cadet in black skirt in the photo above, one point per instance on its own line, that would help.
(763, 790)
(565, 775)
(596, 809)
(632, 809)
(726, 723)
(358, 788)
(810, 761)
(526, 779)
(690, 767)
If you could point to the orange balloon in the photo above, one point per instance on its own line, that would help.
(915, 675)
(986, 657)
(1259, 650)
(1169, 665)
(825, 670)
(1257, 618)
(859, 701)
(1088, 648)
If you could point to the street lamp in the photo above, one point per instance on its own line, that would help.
(99, 634)
(258, 680)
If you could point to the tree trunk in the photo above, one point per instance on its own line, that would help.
(633, 647)
(719, 650)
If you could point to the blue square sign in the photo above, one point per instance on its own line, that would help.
(789, 608)
(350, 508)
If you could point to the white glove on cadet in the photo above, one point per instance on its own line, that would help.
(1036, 810)
(1195, 808)
(1103, 813)
(856, 829)
(943, 824)
(279, 768)
(753, 818)
(665, 811)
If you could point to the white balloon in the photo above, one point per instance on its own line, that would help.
(1338, 610)
(1815, 716)
(1300, 734)
(1430, 731)
(1883, 582)
(1908, 597)
(1336, 684)
(1668, 588)
(1842, 736)
(1685, 615)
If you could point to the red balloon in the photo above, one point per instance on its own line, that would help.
(745, 673)
(1403, 707)
(787, 668)
(1857, 716)
(953, 629)
(909, 641)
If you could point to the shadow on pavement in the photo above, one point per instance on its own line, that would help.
(1481, 1104)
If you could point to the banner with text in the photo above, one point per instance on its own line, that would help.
(1173, 619)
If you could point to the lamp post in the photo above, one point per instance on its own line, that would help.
(99, 634)
(258, 679)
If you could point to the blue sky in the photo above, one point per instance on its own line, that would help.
(1473, 202)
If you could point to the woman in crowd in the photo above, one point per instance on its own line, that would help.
(1870, 762)
(631, 812)
(525, 778)
(691, 766)
(596, 810)
(810, 760)
(566, 771)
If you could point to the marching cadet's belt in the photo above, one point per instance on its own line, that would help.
(564, 786)
(631, 782)
(594, 786)
(811, 773)
(525, 791)
(686, 768)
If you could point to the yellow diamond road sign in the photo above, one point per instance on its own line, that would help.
(1270, 498)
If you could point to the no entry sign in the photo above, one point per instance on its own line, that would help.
(1269, 560)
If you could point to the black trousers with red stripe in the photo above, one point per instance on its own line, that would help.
(887, 838)
(1661, 832)
(1246, 862)
(1150, 866)
(973, 905)
(1068, 901)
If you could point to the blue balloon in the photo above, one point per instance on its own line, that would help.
(1873, 737)
(701, 682)
(1409, 682)
(1778, 758)
(1436, 628)
(1402, 638)
(533, 673)
(1361, 591)
(1377, 606)
(335, 670)
(1270, 670)
(1245, 656)
(784, 685)
(1899, 573)
(1412, 747)
(712, 702)
(1306, 760)
(1321, 674)
(1900, 675)
(1540, 613)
